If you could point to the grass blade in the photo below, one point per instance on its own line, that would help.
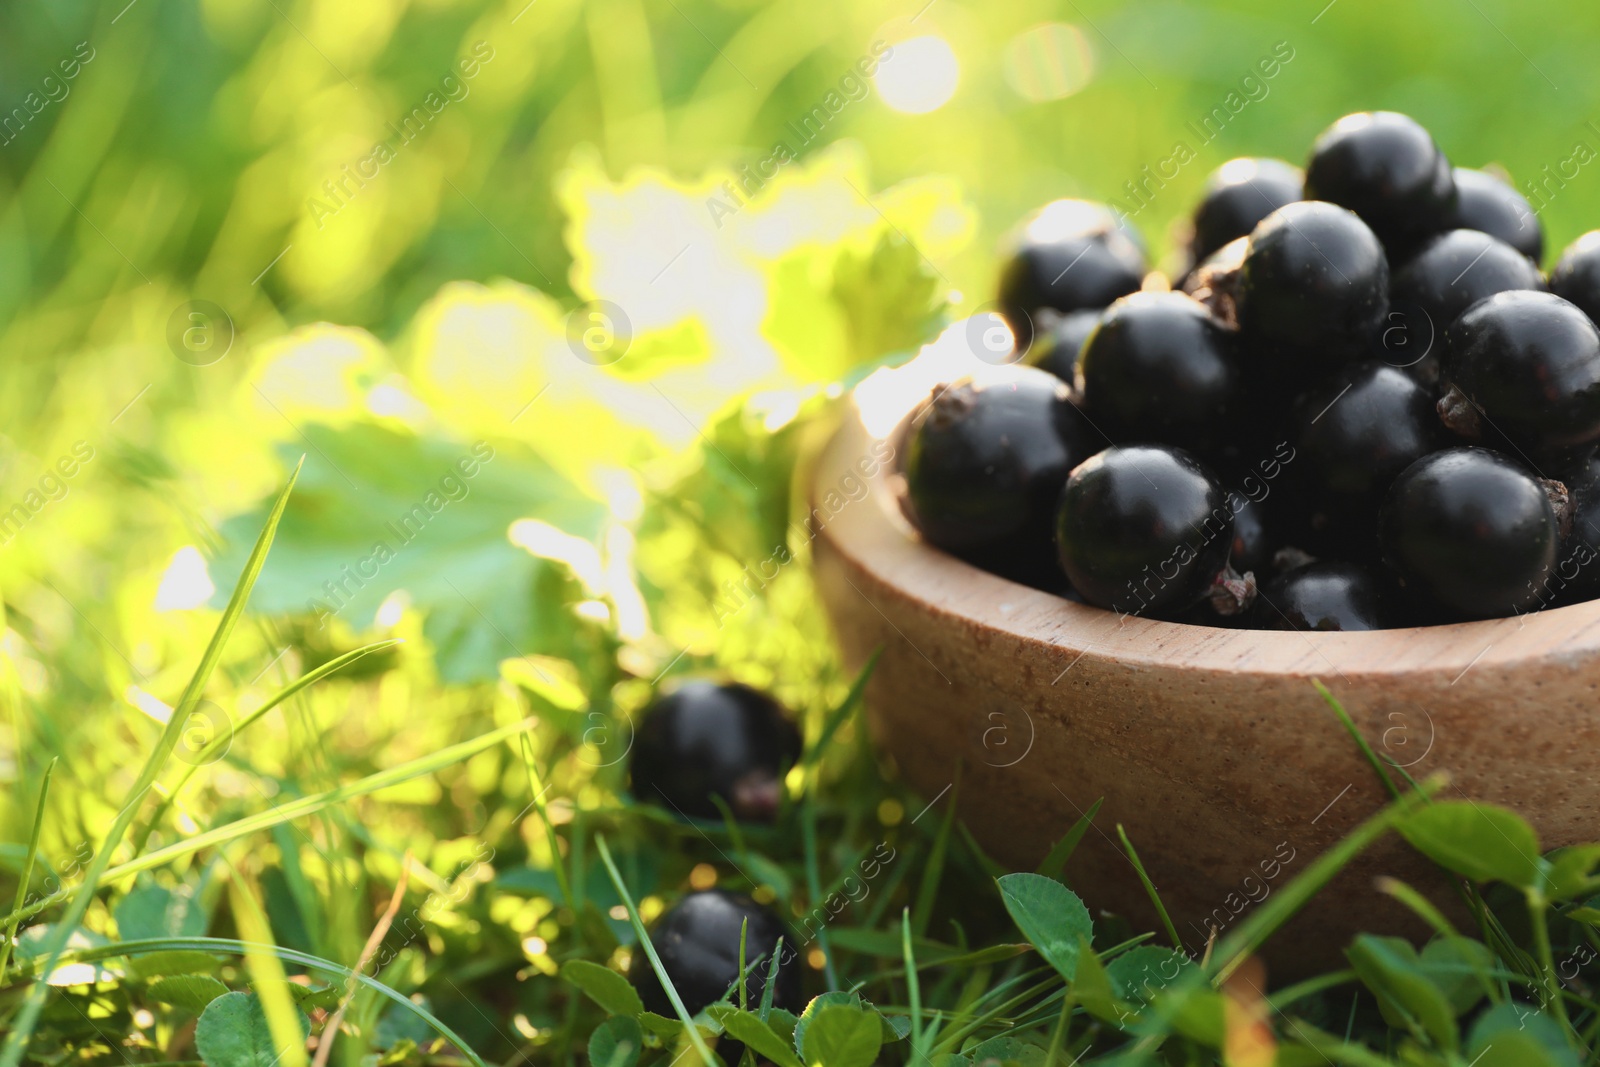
(1150, 889)
(933, 869)
(222, 741)
(1277, 910)
(808, 829)
(1366, 749)
(27, 865)
(28, 1017)
(1054, 863)
(838, 715)
(285, 813)
(650, 951)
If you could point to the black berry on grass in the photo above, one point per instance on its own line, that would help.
(1327, 596)
(1525, 365)
(1144, 530)
(984, 465)
(704, 741)
(1313, 290)
(1071, 255)
(1060, 340)
(1485, 202)
(1237, 195)
(1471, 532)
(1576, 275)
(1386, 168)
(1159, 367)
(1456, 269)
(698, 942)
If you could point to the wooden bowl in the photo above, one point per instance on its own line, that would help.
(1211, 746)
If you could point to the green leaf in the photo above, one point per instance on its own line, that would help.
(1479, 841)
(173, 963)
(817, 1004)
(378, 510)
(397, 1026)
(1091, 988)
(1517, 1035)
(1569, 874)
(783, 1023)
(1050, 916)
(191, 992)
(156, 911)
(758, 1037)
(843, 1036)
(1389, 966)
(1141, 973)
(1461, 968)
(233, 1033)
(658, 1025)
(604, 986)
(616, 1043)
(1007, 1049)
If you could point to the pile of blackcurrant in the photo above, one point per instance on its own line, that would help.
(1360, 404)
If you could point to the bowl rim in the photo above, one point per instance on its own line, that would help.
(866, 527)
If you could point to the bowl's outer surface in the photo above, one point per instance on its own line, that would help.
(1210, 746)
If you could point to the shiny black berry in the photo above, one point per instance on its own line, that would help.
(1361, 429)
(1327, 595)
(1471, 532)
(1144, 529)
(1071, 255)
(1577, 575)
(1525, 365)
(1484, 202)
(1456, 269)
(1237, 195)
(1255, 534)
(1160, 368)
(705, 741)
(1313, 290)
(1061, 339)
(1386, 168)
(1576, 275)
(984, 465)
(698, 942)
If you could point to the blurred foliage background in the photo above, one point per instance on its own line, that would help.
(395, 215)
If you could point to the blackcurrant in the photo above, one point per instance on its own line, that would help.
(1458, 268)
(1360, 430)
(1327, 596)
(1577, 575)
(1313, 290)
(705, 741)
(1070, 255)
(1525, 365)
(1160, 368)
(1471, 532)
(1576, 275)
(1143, 529)
(1237, 195)
(1060, 340)
(1386, 168)
(1484, 202)
(698, 942)
(984, 465)
(1254, 534)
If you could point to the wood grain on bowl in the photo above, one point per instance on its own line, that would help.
(1211, 746)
